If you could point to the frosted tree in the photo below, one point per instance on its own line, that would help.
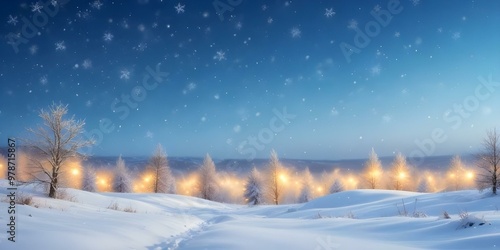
(162, 178)
(336, 187)
(54, 144)
(456, 173)
(207, 184)
(306, 189)
(121, 181)
(400, 173)
(254, 194)
(273, 185)
(89, 180)
(372, 171)
(489, 162)
(423, 186)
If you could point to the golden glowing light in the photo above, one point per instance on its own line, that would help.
(452, 175)
(147, 179)
(402, 175)
(319, 189)
(469, 175)
(283, 178)
(75, 171)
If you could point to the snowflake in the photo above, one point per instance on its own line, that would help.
(53, 2)
(329, 12)
(149, 134)
(155, 25)
(220, 55)
(397, 34)
(375, 70)
(295, 32)
(179, 8)
(264, 7)
(33, 49)
(12, 20)
(353, 24)
(87, 63)
(270, 20)
(108, 37)
(141, 47)
(83, 14)
(377, 8)
(96, 4)
(415, 2)
(44, 80)
(456, 36)
(60, 46)
(125, 74)
(36, 7)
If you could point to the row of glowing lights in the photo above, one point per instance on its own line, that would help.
(187, 185)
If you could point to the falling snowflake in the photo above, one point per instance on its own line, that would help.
(353, 24)
(33, 49)
(154, 25)
(87, 63)
(456, 36)
(44, 80)
(141, 47)
(179, 8)
(97, 4)
(60, 46)
(270, 20)
(295, 32)
(125, 74)
(149, 134)
(141, 27)
(220, 55)
(108, 37)
(329, 12)
(190, 87)
(12, 20)
(216, 96)
(334, 111)
(377, 8)
(36, 7)
(375, 70)
(397, 34)
(415, 2)
(237, 128)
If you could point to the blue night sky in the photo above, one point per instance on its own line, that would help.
(311, 79)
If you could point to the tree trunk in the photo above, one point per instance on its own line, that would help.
(53, 185)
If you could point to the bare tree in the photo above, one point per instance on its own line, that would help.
(373, 170)
(489, 162)
(273, 181)
(122, 182)
(54, 143)
(400, 173)
(456, 173)
(207, 184)
(163, 180)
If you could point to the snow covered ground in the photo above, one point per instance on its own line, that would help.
(359, 219)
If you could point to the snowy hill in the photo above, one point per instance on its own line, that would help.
(347, 220)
